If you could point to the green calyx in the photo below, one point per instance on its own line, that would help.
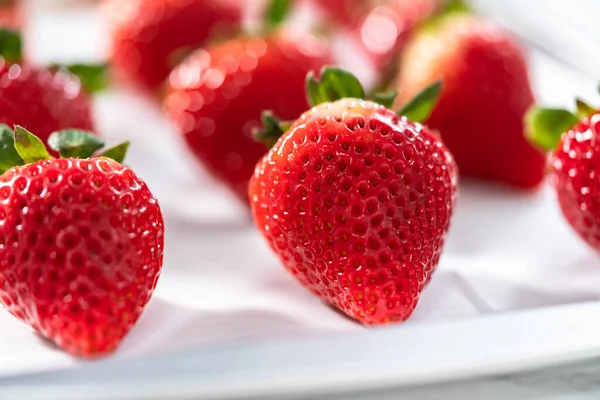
(93, 77)
(545, 126)
(333, 84)
(20, 147)
(10, 45)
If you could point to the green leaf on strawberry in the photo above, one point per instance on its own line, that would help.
(10, 45)
(584, 109)
(545, 126)
(9, 157)
(334, 84)
(421, 106)
(75, 143)
(29, 146)
(117, 152)
(21, 147)
(94, 77)
(386, 99)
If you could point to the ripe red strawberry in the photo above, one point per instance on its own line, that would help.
(355, 200)
(486, 94)
(217, 95)
(574, 165)
(81, 240)
(40, 99)
(149, 37)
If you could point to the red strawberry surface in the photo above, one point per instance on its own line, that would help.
(575, 163)
(217, 95)
(485, 97)
(10, 14)
(356, 202)
(575, 172)
(344, 12)
(81, 249)
(41, 100)
(150, 37)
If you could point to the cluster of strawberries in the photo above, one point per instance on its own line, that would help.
(354, 198)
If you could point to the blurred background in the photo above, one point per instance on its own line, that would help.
(507, 252)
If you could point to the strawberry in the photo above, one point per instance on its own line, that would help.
(42, 99)
(216, 97)
(486, 94)
(344, 12)
(10, 14)
(355, 199)
(150, 37)
(385, 29)
(81, 240)
(574, 166)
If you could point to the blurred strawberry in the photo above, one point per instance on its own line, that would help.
(384, 30)
(344, 12)
(216, 97)
(150, 37)
(485, 97)
(575, 163)
(43, 99)
(10, 14)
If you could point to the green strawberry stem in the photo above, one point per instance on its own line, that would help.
(21, 147)
(545, 126)
(94, 77)
(10, 45)
(334, 84)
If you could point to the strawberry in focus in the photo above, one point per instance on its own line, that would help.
(217, 94)
(81, 240)
(485, 97)
(355, 199)
(41, 99)
(574, 166)
(150, 37)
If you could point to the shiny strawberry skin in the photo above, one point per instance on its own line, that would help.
(356, 202)
(216, 98)
(42, 101)
(150, 37)
(575, 173)
(486, 94)
(81, 250)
